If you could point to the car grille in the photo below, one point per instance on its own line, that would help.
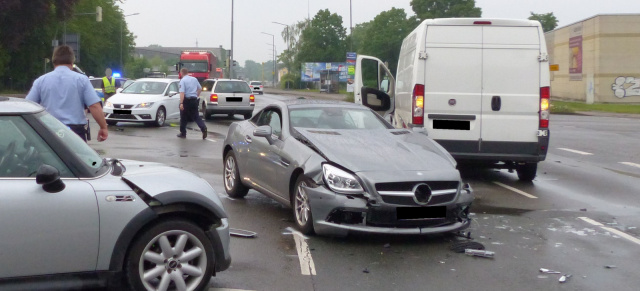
(122, 116)
(122, 106)
(401, 193)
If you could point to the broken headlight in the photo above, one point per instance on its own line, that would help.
(340, 181)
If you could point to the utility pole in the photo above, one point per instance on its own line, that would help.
(273, 42)
(350, 26)
(231, 68)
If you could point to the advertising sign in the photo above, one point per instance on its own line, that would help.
(575, 53)
(311, 71)
(351, 70)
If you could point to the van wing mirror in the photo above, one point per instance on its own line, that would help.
(371, 77)
(376, 100)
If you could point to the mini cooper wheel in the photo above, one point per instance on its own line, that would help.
(161, 117)
(301, 207)
(173, 254)
(232, 183)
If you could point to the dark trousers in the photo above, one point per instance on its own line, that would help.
(190, 113)
(79, 129)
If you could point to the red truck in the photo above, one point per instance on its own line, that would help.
(202, 64)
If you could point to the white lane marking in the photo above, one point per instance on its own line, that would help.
(226, 289)
(591, 221)
(576, 151)
(307, 267)
(622, 234)
(612, 230)
(211, 140)
(516, 190)
(631, 164)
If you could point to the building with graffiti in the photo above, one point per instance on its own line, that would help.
(597, 59)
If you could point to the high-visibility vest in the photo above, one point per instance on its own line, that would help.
(109, 87)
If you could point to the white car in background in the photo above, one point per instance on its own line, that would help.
(151, 101)
(256, 87)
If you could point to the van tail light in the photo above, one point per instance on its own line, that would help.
(418, 105)
(544, 107)
(252, 99)
(482, 22)
(214, 99)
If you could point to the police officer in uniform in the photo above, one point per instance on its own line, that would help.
(65, 94)
(189, 91)
(108, 84)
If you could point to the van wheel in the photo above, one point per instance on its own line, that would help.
(527, 172)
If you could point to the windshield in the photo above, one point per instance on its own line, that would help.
(145, 87)
(336, 118)
(96, 83)
(88, 156)
(232, 87)
(196, 67)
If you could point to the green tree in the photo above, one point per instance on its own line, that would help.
(382, 37)
(134, 69)
(428, 9)
(547, 20)
(323, 40)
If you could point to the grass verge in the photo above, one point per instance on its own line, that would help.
(572, 107)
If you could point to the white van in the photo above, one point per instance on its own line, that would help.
(479, 87)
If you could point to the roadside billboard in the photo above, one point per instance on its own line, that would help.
(311, 71)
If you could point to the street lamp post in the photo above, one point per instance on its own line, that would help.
(273, 42)
(121, 37)
(287, 41)
(231, 68)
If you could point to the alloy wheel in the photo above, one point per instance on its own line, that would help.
(230, 173)
(302, 209)
(173, 259)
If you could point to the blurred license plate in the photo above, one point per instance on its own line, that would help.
(234, 99)
(115, 111)
(421, 212)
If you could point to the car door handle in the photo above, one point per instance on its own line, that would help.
(496, 103)
(247, 138)
(284, 162)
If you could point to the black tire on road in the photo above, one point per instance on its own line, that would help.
(231, 175)
(194, 259)
(527, 172)
(300, 206)
(161, 117)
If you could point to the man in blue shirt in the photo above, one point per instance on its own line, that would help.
(189, 91)
(65, 93)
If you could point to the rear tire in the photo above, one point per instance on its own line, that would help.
(191, 262)
(301, 208)
(230, 115)
(203, 109)
(527, 172)
(231, 175)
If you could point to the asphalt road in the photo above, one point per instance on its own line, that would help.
(579, 215)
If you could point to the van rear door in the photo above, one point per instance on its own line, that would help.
(510, 89)
(453, 86)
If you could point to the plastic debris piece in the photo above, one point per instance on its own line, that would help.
(564, 278)
(479, 253)
(386, 246)
(242, 233)
(583, 209)
(460, 247)
(543, 276)
(547, 271)
(365, 271)
(610, 266)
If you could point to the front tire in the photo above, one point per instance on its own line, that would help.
(301, 207)
(172, 253)
(232, 183)
(527, 172)
(161, 117)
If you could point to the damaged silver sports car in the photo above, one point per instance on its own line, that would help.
(342, 168)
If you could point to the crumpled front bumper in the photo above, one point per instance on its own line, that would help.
(338, 215)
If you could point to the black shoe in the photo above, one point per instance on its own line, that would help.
(180, 135)
(204, 133)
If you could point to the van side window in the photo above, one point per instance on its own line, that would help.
(370, 73)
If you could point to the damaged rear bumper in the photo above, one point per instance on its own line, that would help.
(338, 215)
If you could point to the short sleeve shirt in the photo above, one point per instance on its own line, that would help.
(189, 86)
(64, 93)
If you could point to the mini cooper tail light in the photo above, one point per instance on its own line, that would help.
(418, 105)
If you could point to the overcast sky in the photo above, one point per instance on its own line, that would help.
(181, 23)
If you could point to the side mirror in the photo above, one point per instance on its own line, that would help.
(264, 131)
(375, 99)
(49, 178)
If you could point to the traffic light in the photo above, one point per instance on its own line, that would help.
(235, 64)
(99, 14)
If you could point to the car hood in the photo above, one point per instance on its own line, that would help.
(171, 185)
(380, 150)
(135, 99)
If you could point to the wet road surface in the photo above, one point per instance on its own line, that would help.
(579, 215)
